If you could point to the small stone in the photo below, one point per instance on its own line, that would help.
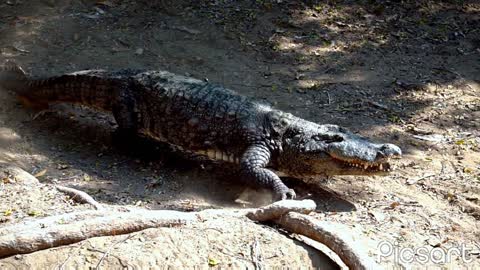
(378, 216)
(434, 241)
(139, 51)
(62, 166)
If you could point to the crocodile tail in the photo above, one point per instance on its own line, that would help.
(12, 77)
(92, 88)
(89, 89)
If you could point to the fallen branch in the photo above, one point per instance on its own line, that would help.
(414, 181)
(288, 214)
(79, 196)
(61, 233)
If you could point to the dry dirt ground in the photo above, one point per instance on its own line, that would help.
(404, 73)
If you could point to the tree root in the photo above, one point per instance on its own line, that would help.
(277, 209)
(79, 196)
(291, 216)
(34, 235)
(333, 235)
(83, 226)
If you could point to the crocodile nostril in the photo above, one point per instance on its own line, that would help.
(390, 150)
(381, 154)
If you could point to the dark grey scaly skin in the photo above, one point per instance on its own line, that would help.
(209, 120)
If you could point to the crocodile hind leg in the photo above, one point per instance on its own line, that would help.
(123, 111)
(38, 107)
(126, 136)
(253, 164)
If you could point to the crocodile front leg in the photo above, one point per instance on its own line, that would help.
(253, 163)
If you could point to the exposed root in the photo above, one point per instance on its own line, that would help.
(291, 216)
(79, 196)
(277, 209)
(70, 228)
(82, 226)
(333, 235)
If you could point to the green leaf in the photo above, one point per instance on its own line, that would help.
(34, 213)
(212, 262)
(460, 142)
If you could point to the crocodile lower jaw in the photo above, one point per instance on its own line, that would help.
(368, 167)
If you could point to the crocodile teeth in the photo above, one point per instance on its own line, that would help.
(365, 166)
(218, 155)
(211, 154)
(380, 167)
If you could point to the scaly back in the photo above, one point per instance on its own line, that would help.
(12, 77)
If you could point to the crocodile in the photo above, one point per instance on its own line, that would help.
(212, 121)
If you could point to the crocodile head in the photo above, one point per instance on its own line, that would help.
(310, 149)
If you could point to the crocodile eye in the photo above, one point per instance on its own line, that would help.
(327, 138)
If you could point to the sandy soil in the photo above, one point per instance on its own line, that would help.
(407, 74)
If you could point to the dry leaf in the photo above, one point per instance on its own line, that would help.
(40, 173)
(393, 205)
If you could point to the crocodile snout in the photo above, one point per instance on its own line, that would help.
(389, 150)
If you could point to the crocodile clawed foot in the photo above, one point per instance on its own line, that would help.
(285, 194)
(41, 114)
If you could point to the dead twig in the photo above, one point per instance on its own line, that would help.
(378, 105)
(106, 253)
(414, 181)
(113, 255)
(79, 196)
(256, 255)
(62, 266)
(448, 70)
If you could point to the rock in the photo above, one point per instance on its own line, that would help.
(18, 174)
